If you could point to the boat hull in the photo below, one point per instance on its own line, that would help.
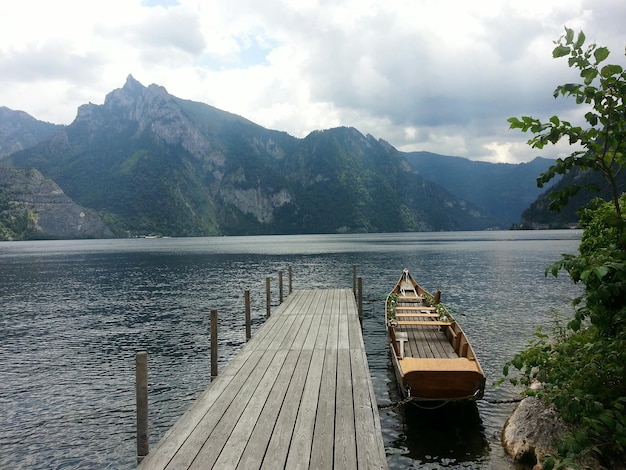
(439, 379)
(431, 355)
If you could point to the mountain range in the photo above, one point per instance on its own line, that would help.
(149, 163)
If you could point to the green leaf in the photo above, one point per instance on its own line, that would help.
(610, 70)
(560, 51)
(580, 41)
(589, 74)
(574, 325)
(607, 420)
(548, 462)
(600, 54)
(601, 271)
(591, 118)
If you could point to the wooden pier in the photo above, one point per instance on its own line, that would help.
(297, 396)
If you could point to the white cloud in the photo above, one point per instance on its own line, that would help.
(441, 76)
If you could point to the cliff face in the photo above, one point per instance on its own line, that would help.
(34, 207)
(19, 131)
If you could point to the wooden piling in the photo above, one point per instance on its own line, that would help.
(213, 343)
(246, 296)
(141, 392)
(354, 280)
(290, 280)
(280, 287)
(360, 300)
(268, 297)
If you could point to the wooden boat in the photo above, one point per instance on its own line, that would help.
(431, 355)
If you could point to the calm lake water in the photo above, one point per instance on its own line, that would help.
(73, 314)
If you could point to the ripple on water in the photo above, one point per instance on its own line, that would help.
(74, 314)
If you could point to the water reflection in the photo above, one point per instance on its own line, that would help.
(447, 434)
(450, 434)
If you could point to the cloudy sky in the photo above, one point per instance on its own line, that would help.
(435, 75)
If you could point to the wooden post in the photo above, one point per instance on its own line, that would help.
(360, 300)
(290, 280)
(141, 392)
(354, 280)
(280, 286)
(268, 297)
(213, 343)
(246, 296)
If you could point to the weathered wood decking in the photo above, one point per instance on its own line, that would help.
(297, 396)
(425, 338)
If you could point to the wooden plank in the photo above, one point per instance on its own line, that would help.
(355, 336)
(370, 451)
(333, 330)
(323, 437)
(227, 403)
(419, 343)
(322, 449)
(271, 437)
(300, 450)
(417, 315)
(424, 323)
(408, 298)
(298, 304)
(345, 433)
(292, 324)
(415, 307)
(284, 362)
(322, 335)
(254, 451)
(316, 321)
(282, 434)
(423, 342)
(343, 338)
(303, 333)
(278, 447)
(438, 341)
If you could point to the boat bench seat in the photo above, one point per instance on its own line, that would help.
(417, 315)
(423, 323)
(440, 365)
(409, 298)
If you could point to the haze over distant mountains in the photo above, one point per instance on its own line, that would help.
(148, 162)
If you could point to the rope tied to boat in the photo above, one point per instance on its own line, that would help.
(416, 401)
(394, 405)
(509, 400)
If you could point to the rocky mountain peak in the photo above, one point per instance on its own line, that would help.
(132, 84)
(150, 112)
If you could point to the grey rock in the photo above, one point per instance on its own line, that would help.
(531, 431)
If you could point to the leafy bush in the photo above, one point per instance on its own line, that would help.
(583, 367)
